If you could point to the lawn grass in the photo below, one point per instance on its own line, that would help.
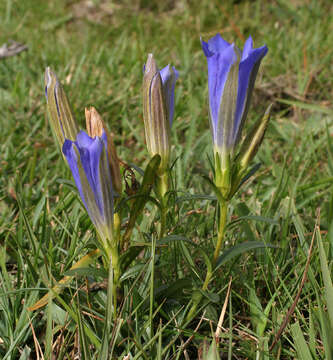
(98, 48)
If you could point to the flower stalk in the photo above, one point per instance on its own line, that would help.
(221, 229)
(162, 185)
(158, 111)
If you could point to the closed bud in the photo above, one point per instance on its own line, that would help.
(158, 108)
(95, 127)
(61, 118)
(253, 140)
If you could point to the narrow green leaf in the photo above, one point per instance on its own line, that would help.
(326, 332)
(87, 271)
(171, 238)
(240, 249)
(104, 353)
(85, 261)
(194, 197)
(173, 290)
(256, 311)
(84, 347)
(312, 107)
(326, 278)
(300, 343)
(255, 218)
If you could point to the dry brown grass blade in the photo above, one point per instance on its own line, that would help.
(223, 311)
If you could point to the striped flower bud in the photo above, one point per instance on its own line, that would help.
(158, 108)
(95, 127)
(61, 118)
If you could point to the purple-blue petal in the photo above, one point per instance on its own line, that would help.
(248, 46)
(90, 157)
(168, 82)
(72, 159)
(220, 57)
(219, 66)
(83, 140)
(217, 44)
(87, 152)
(248, 69)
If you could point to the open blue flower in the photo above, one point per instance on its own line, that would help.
(231, 78)
(87, 159)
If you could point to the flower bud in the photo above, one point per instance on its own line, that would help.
(253, 140)
(158, 108)
(95, 127)
(61, 118)
(87, 159)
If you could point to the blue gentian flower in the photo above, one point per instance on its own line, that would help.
(87, 159)
(231, 78)
(158, 108)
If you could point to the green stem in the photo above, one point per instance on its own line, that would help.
(220, 235)
(116, 276)
(221, 229)
(196, 300)
(112, 253)
(151, 295)
(162, 189)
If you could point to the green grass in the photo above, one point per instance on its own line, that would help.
(98, 53)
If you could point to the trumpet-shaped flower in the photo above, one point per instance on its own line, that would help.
(158, 108)
(231, 78)
(87, 159)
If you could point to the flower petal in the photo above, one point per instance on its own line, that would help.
(248, 69)
(169, 76)
(90, 157)
(87, 159)
(72, 159)
(227, 108)
(215, 45)
(219, 66)
(248, 46)
(61, 118)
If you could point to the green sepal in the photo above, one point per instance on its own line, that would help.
(240, 178)
(223, 172)
(253, 140)
(216, 190)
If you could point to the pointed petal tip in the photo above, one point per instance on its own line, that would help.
(67, 146)
(150, 65)
(205, 48)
